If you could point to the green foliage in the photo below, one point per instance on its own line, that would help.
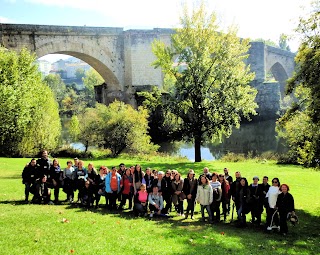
(211, 81)
(57, 86)
(92, 78)
(126, 129)
(300, 124)
(80, 73)
(29, 114)
(266, 42)
(283, 42)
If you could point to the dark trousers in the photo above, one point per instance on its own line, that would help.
(179, 206)
(225, 209)
(190, 206)
(56, 193)
(270, 212)
(215, 209)
(153, 208)
(113, 200)
(27, 190)
(124, 199)
(168, 199)
(283, 222)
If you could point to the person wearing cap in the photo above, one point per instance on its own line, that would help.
(255, 201)
(190, 185)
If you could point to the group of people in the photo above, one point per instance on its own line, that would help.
(157, 193)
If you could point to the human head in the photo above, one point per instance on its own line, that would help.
(265, 179)
(148, 171)
(177, 177)
(87, 184)
(122, 166)
(143, 187)
(255, 179)
(221, 177)
(168, 173)
(214, 176)
(128, 171)
(33, 162)
(276, 182)
(160, 175)
(44, 154)
(69, 163)
(205, 170)
(238, 174)
(204, 180)
(80, 164)
(90, 166)
(284, 188)
(226, 171)
(102, 169)
(114, 169)
(44, 178)
(191, 174)
(155, 189)
(55, 162)
(137, 167)
(76, 162)
(244, 182)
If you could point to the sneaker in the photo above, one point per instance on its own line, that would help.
(50, 203)
(151, 215)
(269, 228)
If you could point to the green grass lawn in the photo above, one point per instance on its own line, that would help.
(40, 229)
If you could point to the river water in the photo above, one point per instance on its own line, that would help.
(253, 137)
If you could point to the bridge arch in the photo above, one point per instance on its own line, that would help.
(280, 75)
(95, 57)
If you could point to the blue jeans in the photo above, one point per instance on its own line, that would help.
(207, 207)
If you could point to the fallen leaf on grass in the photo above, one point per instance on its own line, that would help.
(222, 233)
(94, 222)
(71, 251)
(205, 236)
(64, 220)
(118, 222)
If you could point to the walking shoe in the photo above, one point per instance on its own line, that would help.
(151, 215)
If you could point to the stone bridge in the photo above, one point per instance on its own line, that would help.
(123, 58)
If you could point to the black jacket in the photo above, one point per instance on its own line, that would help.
(187, 188)
(29, 174)
(285, 203)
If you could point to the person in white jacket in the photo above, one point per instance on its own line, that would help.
(205, 197)
(272, 196)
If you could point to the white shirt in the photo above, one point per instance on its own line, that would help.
(272, 196)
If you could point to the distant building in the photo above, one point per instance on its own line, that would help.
(44, 67)
(67, 68)
(71, 68)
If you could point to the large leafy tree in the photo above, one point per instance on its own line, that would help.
(210, 91)
(92, 78)
(300, 124)
(29, 114)
(57, 86)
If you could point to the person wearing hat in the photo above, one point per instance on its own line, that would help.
(190, 185)
(256, 191)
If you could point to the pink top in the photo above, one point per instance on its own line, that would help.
(143, 196)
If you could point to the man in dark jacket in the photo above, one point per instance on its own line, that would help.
(235, 190)
(43, 164)
(29, 176)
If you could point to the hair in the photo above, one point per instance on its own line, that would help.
(266, 177)
(214, 174)
(55, 160)
(69, 161)
(137, 174)
(207, 180)
(143, 185)
(246, 181)
(285, 185)
(177, 174)
(276, 178)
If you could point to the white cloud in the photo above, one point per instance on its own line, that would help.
(6, 20)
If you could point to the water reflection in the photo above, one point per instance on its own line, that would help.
(253, 137)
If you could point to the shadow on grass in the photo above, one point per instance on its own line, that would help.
(201, 238)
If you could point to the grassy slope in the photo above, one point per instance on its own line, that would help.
(34, 229)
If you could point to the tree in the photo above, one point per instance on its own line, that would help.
(283, 42)
(57, 86)
(300, 124)
(29, 114)
(80, 73)
(211, 81)
(92, 78)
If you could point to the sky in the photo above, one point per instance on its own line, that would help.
(265, 19)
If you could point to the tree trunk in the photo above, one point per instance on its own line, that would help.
(87, 146)
(197, 149)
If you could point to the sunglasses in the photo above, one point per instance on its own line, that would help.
(274, 182)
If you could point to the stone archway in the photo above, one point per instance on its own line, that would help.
(281, 76)
(87, 54)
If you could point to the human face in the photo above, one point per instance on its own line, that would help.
(90, 167)
(221, 177)
(55, 162)
(203, 180)
(243, 182)
(284, 189)
(142, 188)
(148, 172)
(33, 162)
(45, 154)
(69, 165)
(255, 181)
(177, 177)
(238, 175)
(265, 180)
(205, 170)
(128, 172)
(168, 174)
(225, 170)
(80, 164)
(275, 182)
